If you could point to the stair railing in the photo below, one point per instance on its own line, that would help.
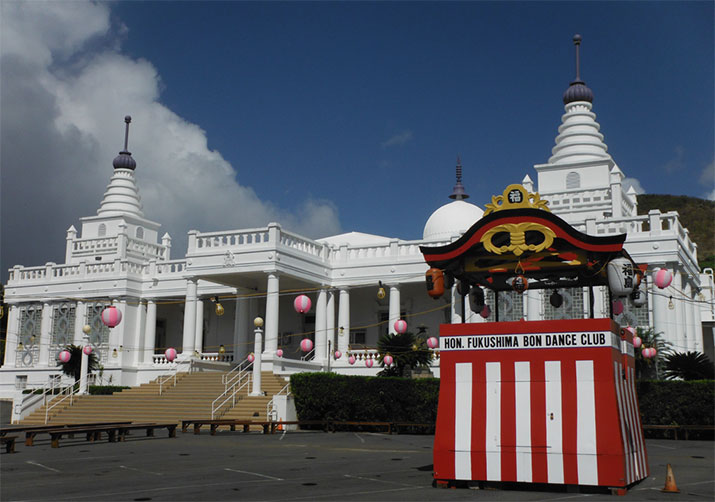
(308, 355)
(171, 377)
(242, 380)
(271, 414)
(69, 392)
(228, 378)
(33, 398)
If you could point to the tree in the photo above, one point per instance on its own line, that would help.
(688, 366)
(407, 350)
(73, 367)
(648, 369)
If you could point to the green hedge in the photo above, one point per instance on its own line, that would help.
(103, 390)
(328, 396)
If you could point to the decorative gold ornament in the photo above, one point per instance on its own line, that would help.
(381, 293)
(515, 197)
(517, 238)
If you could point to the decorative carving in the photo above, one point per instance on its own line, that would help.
(515, 197)
(517, 243)
(228, 259)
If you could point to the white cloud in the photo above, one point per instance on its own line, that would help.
(632, 182)
(707, 176)
(676, 163)
(398, 139)
(66, 88)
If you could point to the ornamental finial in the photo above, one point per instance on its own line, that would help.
(458, 192)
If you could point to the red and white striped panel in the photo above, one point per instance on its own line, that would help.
(543, 420)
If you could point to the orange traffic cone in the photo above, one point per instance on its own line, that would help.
(670, 486)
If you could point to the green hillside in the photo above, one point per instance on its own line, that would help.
(697, 215)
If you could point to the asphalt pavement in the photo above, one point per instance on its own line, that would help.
(293, 466)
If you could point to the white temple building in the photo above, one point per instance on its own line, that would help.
(120, 257)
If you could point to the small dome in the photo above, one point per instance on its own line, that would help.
(451, 219)
(578, 91)
(124, 161)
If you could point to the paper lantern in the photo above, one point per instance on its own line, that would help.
(637, 342)
(279, 353)
(617, 307)
(662, 277)
(400, 326)
(251, 357)
(435, 282)
(388, 360)
(476, 299)
(556, 299)
(351, 359)
(338, 354)
(485, 312)
(369, 363)
(170, 354)
(621, 276)
(306, 345)
(111, 316)
(87, 349)
(432, 342)
(638, 297)
(301, 304)
(64, 356)
(86, 329)
(520, 283)
(381, 293)
(219, 309)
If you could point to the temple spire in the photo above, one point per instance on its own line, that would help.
(458, 192)
(124, 160)
(578, 90)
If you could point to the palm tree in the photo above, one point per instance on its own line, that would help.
(407, 350)
(73, 367)
(648, 369)
(689, 366)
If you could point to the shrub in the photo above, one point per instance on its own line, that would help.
(673, 402)
(328, 396)
(103, 390)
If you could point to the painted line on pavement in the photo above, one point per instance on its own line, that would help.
(254, 474)
(357, 436)
(43, 466)
(140, 470)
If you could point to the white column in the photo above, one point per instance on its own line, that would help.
(394, 312)
(257, 352)
(240, 330)
(13, 330)
(344, 321)
(456, 306)
(697, 322)
(272, 297)
(189, 319)
(659, 301)
(150, 332)
(80, 319)
(116, 334)
(533, 304)
(681, 330)
(84, 367)
(136, 356)
(45, 334)
(330, 321)
(688, 314)
(321, 317)
(199, 340)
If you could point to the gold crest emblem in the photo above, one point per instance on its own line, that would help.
(515, 197)
(517, 238)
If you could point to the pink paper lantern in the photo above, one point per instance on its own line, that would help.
(301, 304)
(170, 354)
(631, 330)
(637, 342)
(306, 345)
(653, 352)
(64, 356)
(485, 312)
(388, 360)
(617, 307)
(369, 363)
(279, 353)
(338, 354)
(111, 316)
(662, 277)
(432, 342)
(400, 326)
(251, 358)
(351, 359)
(87, 349)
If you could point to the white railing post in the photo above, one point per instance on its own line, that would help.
(257, 352)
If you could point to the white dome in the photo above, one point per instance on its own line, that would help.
(451, 219)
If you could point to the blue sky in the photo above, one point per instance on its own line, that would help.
(349, 116)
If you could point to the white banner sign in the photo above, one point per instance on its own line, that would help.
(531, 341)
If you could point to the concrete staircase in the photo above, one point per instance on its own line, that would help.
(190, 398)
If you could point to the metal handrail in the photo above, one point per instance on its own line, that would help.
(72, 388)
(226, 379)
(309, 354)
(269, 405)
(243, 379)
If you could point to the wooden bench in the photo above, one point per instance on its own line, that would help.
(675, 428)
(149, 427)
(33, 430)
(9, 442)
(197, 423)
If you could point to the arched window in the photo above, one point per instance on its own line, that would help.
(573, 180)
(140, 232)
(102, 229)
